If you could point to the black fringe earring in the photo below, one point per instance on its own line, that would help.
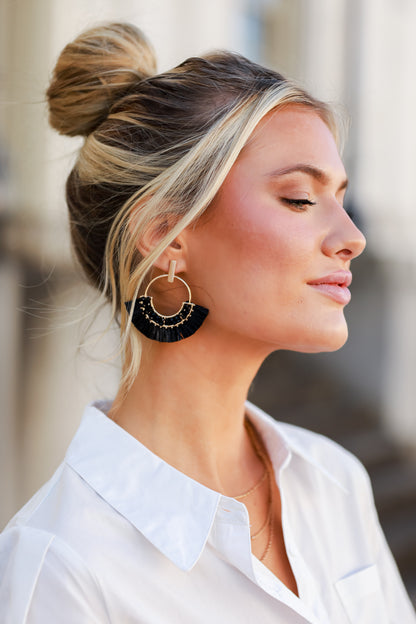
(163, 328)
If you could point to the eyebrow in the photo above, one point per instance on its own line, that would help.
(310, 170)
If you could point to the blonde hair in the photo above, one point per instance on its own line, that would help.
(157, 149)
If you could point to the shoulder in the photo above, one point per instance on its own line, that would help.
(59, 500)
(60, 518)
(43, 579)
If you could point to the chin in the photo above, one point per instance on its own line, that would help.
(309, 339)
(321, 337)
(325, 344)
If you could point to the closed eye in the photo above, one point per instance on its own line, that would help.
(298, 203)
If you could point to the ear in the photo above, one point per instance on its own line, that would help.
(176, 250)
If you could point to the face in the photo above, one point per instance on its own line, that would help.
(272, 258)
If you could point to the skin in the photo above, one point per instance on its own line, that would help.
(249, 260)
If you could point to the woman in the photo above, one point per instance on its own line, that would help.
(206, 205)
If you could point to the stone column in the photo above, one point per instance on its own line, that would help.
(384, 174)
(10, 339)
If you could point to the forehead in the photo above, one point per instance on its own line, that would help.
(290, 135)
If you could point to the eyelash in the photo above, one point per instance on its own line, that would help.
(298, 203)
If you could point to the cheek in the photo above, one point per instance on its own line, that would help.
(248, 255)
(274, 247)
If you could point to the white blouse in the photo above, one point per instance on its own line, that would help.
(118, 535)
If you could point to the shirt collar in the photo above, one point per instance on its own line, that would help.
(293, 439)
(174, 512)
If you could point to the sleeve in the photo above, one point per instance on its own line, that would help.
(43, 580)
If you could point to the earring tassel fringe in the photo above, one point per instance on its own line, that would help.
(166, 328)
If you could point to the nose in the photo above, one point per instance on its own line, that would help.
(344, 239)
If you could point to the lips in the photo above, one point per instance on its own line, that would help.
(335, 285)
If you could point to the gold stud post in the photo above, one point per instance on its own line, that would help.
(171, 273)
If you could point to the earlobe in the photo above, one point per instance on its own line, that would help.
(173, 252)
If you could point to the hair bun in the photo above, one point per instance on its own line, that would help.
(92, 72)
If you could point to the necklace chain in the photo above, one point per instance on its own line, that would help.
(265, 524)
(255, 487)
(253, 435)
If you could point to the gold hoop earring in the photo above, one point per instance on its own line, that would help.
(172, 328)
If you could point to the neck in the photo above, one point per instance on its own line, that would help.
(187, 406)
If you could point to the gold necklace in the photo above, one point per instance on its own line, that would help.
(253, 435)
(254, 488)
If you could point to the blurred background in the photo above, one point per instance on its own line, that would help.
(358, 53)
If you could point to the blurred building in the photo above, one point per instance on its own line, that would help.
(361, 54)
